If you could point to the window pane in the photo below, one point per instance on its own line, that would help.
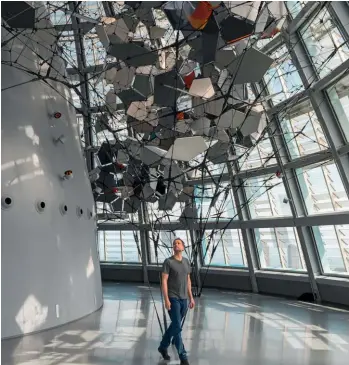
(164, 215)
(294, 7)
(91, 9)
(259, 156)
(220, 198)
(302, 131)
(333, 247)
(282, 78)
(164, 241)
(326, 46)
(224, 248)
(265, 195)
(100, 244)
(279, 248)
(116, 122)
(118, 246)
(210, 170)
(322, 189)
(339, 96)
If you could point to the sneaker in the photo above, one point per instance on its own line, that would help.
(164, 354)
(184, 362)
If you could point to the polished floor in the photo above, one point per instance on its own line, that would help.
(224, 329)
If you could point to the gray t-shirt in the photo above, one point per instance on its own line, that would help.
(177, 271)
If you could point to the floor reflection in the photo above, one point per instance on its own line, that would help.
(224, 328)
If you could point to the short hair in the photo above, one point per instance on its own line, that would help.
(178, 239)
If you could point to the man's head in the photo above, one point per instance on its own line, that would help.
(178, 245)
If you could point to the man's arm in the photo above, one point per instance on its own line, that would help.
(164, 286)
(190, 294)
(164, 280)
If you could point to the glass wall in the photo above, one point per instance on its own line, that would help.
(160, 245)
(339, 97)
(294, 7)
(322, 189)
(321, 185)
(279, 248)
(119, 246)
(282, 78)
(324, 42)
(333, 247)
(265, 197)
(224, 248)
(302, 131)
(215, 202)
(260, 155)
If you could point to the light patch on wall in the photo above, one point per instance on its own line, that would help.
(35, 159)
(58, 239)
(18, 162)
(32, 315)
(132, 314)
(29, 131)
(32, 175)
(90, 267)
(89, 336)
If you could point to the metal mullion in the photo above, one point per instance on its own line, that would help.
(273, 210)
(104, 243)
(248, 237)
(121, 247)
(340, 11)
(144, 241)
(282, 260)
(296, 200)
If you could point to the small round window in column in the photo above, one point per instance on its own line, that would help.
(40, 205)
(6, 202)
(79, 211)
(63, 209)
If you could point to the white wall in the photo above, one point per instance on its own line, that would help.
(47, 258)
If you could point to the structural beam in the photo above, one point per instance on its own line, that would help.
(248, 237)
(84, 27)
(297, 163)
(329, 219)
(85, 100)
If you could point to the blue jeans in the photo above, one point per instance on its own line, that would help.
(177, 312)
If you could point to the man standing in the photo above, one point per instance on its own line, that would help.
(176, 288)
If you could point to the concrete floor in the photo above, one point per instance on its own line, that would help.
(224, 329)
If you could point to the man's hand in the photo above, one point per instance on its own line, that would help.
(167, 304)
(191, 303)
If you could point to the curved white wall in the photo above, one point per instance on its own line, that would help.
(48, 259)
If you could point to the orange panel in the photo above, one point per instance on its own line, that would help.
(200, 16)
(188, 79)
